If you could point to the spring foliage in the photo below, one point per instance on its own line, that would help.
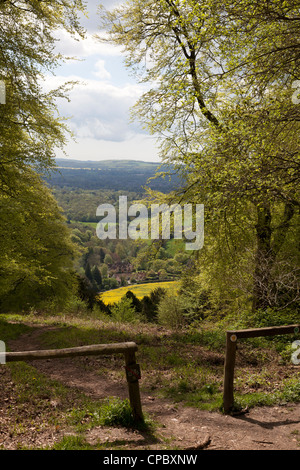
(36, 251)
(222, 101)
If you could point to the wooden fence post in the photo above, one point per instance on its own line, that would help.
(231, 344)
(133, 375)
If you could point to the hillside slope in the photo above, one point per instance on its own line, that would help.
(126, 175)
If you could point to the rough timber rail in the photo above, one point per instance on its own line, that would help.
(128, 349)
(133, 370)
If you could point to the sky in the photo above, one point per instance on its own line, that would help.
(99, 109)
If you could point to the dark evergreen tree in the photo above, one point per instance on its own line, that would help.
(136, 303)
(88, 273)
(97, 278)
(148, 310)
(101, 255)
(85, 291)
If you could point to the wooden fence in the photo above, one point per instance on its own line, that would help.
(133, 370)
(131, 367)
(231, 347)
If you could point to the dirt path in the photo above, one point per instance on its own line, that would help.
(267, 428)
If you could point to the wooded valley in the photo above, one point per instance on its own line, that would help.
(217, 85)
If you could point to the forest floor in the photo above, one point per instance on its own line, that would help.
(178, 426)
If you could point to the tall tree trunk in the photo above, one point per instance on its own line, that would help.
(269, 243)
(263, 257)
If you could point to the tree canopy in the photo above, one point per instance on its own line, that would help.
(29, 126)
(36, 252)
(222, 79)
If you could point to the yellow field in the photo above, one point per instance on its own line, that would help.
(140, 290)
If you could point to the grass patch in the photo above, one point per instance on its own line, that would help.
(110, 412)
(73, 442)
(212, 338)
(32, 386)
(79, 336)
(194, 385)
(10, 331)
(115, 412)
(185, 366)
(206, 397)
(41, 404)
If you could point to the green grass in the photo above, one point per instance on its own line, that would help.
(112, 411)
(10, 331)
(82, 335)
(74, 411)
(33, 385)
(73, 442)
(184, 367)
(86, 224)
(288, 392)
(115, 412)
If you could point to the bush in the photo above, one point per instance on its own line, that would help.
(124, 312)
(109, 283)
(273, 317)
(101, 306)
(76, 306)
(170, 312)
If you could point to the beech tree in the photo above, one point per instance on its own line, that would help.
(36, 252)
(36, 262)
(221, 79)
(30, 128)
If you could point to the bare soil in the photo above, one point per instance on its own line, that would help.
(179, 427)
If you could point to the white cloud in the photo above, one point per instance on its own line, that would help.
(98, 109)
(137, 147)
(101, 71)
(76, 47)
(99, 106)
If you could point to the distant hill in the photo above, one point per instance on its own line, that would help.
(130, 175)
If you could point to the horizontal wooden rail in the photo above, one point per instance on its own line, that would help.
(92, 350)
(267, 331)
(231, 346)
(131, 367)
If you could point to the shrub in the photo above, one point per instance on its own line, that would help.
(170, 312)
(124, 312)
(273, 317)
(76, 306)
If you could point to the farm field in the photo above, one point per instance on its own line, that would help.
(140, 290)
